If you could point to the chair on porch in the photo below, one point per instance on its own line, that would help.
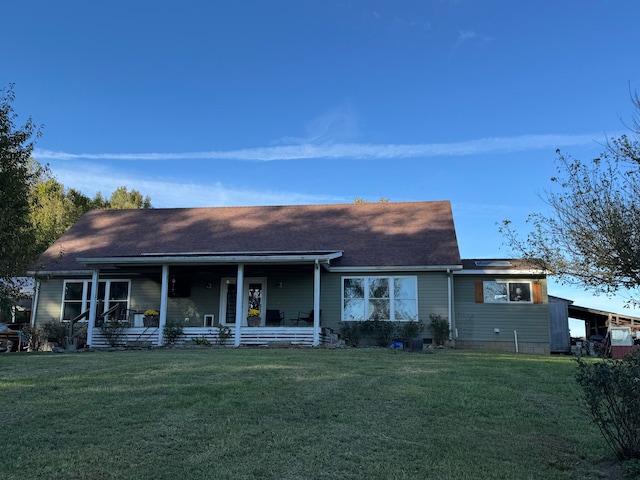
(274, 317)
(306, 317)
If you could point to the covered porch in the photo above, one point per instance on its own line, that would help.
(253, 298)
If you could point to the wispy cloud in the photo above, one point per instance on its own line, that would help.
(356, 151)
(337, 125)
(469, 36)
(91, 178)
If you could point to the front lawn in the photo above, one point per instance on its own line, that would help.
(294, 414)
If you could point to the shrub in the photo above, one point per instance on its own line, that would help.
(381, 330)
(350, 331)
(55, 332)
(411, 329)
(224, 334)
(113, 331)
(172, 332)
(80, 335)
(611, 389)
(440, 328)
(35, 336)
(203, 341)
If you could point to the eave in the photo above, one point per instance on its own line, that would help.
(223, 258)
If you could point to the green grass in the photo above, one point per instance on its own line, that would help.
(294, 414)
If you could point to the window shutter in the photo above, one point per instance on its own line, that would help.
(479, 293)
(537, 292)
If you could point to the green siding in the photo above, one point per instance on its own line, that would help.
(477, 321)
(49, 300)
(432, 294)
(190, 311)
(296, 295)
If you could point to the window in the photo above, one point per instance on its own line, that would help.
(379, 298)
(77, 296)
(506, 292)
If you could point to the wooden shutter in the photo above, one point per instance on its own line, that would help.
(479, 293)
(537, 292)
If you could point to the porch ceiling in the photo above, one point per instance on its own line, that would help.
(222, 258)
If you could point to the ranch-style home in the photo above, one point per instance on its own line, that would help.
(288, 274)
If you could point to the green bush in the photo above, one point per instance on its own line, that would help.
(35, 336)
(611, 389)
(411, 329)
(172, 331)
(224, 334)
(382, 331)
(55, 332)
(79, 337)
(202, 341)
(440, 327)
(113, 332)
(350, 331)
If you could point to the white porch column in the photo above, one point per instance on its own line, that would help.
(93, 305)
(164, 294)
(34, 302)
(316, 304)
(239, 303)
(453, 331)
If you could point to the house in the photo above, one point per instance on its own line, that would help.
(314, 266)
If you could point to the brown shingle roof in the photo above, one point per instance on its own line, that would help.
(369, 234)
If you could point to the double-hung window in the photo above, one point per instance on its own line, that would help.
(507, 292)
(77, 296)
(380, 298)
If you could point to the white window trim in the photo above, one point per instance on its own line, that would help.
(391, 296)
(507, 282)
(84, 303)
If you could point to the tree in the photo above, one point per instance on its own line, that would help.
(121, 199)
(16, 178)
(591, 238)
(54, 210)
(362, 200)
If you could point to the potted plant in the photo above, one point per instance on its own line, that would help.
(151, 318)
(253, 317)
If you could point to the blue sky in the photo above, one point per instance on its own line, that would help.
(206, 103)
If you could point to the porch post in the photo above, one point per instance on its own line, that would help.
(34, 303)
(316, 304)
(239, 305)
(453, 331)
(93, 305)
(164, 293)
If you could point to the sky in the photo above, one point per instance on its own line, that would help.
(218, 103)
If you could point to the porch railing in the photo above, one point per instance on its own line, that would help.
(148, 336)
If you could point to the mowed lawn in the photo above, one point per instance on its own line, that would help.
(224, 413)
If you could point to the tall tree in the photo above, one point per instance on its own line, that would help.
(54, 210)
(121, 199)
(16, 178)
(591, 238)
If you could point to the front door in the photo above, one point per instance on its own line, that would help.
(254, 299)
